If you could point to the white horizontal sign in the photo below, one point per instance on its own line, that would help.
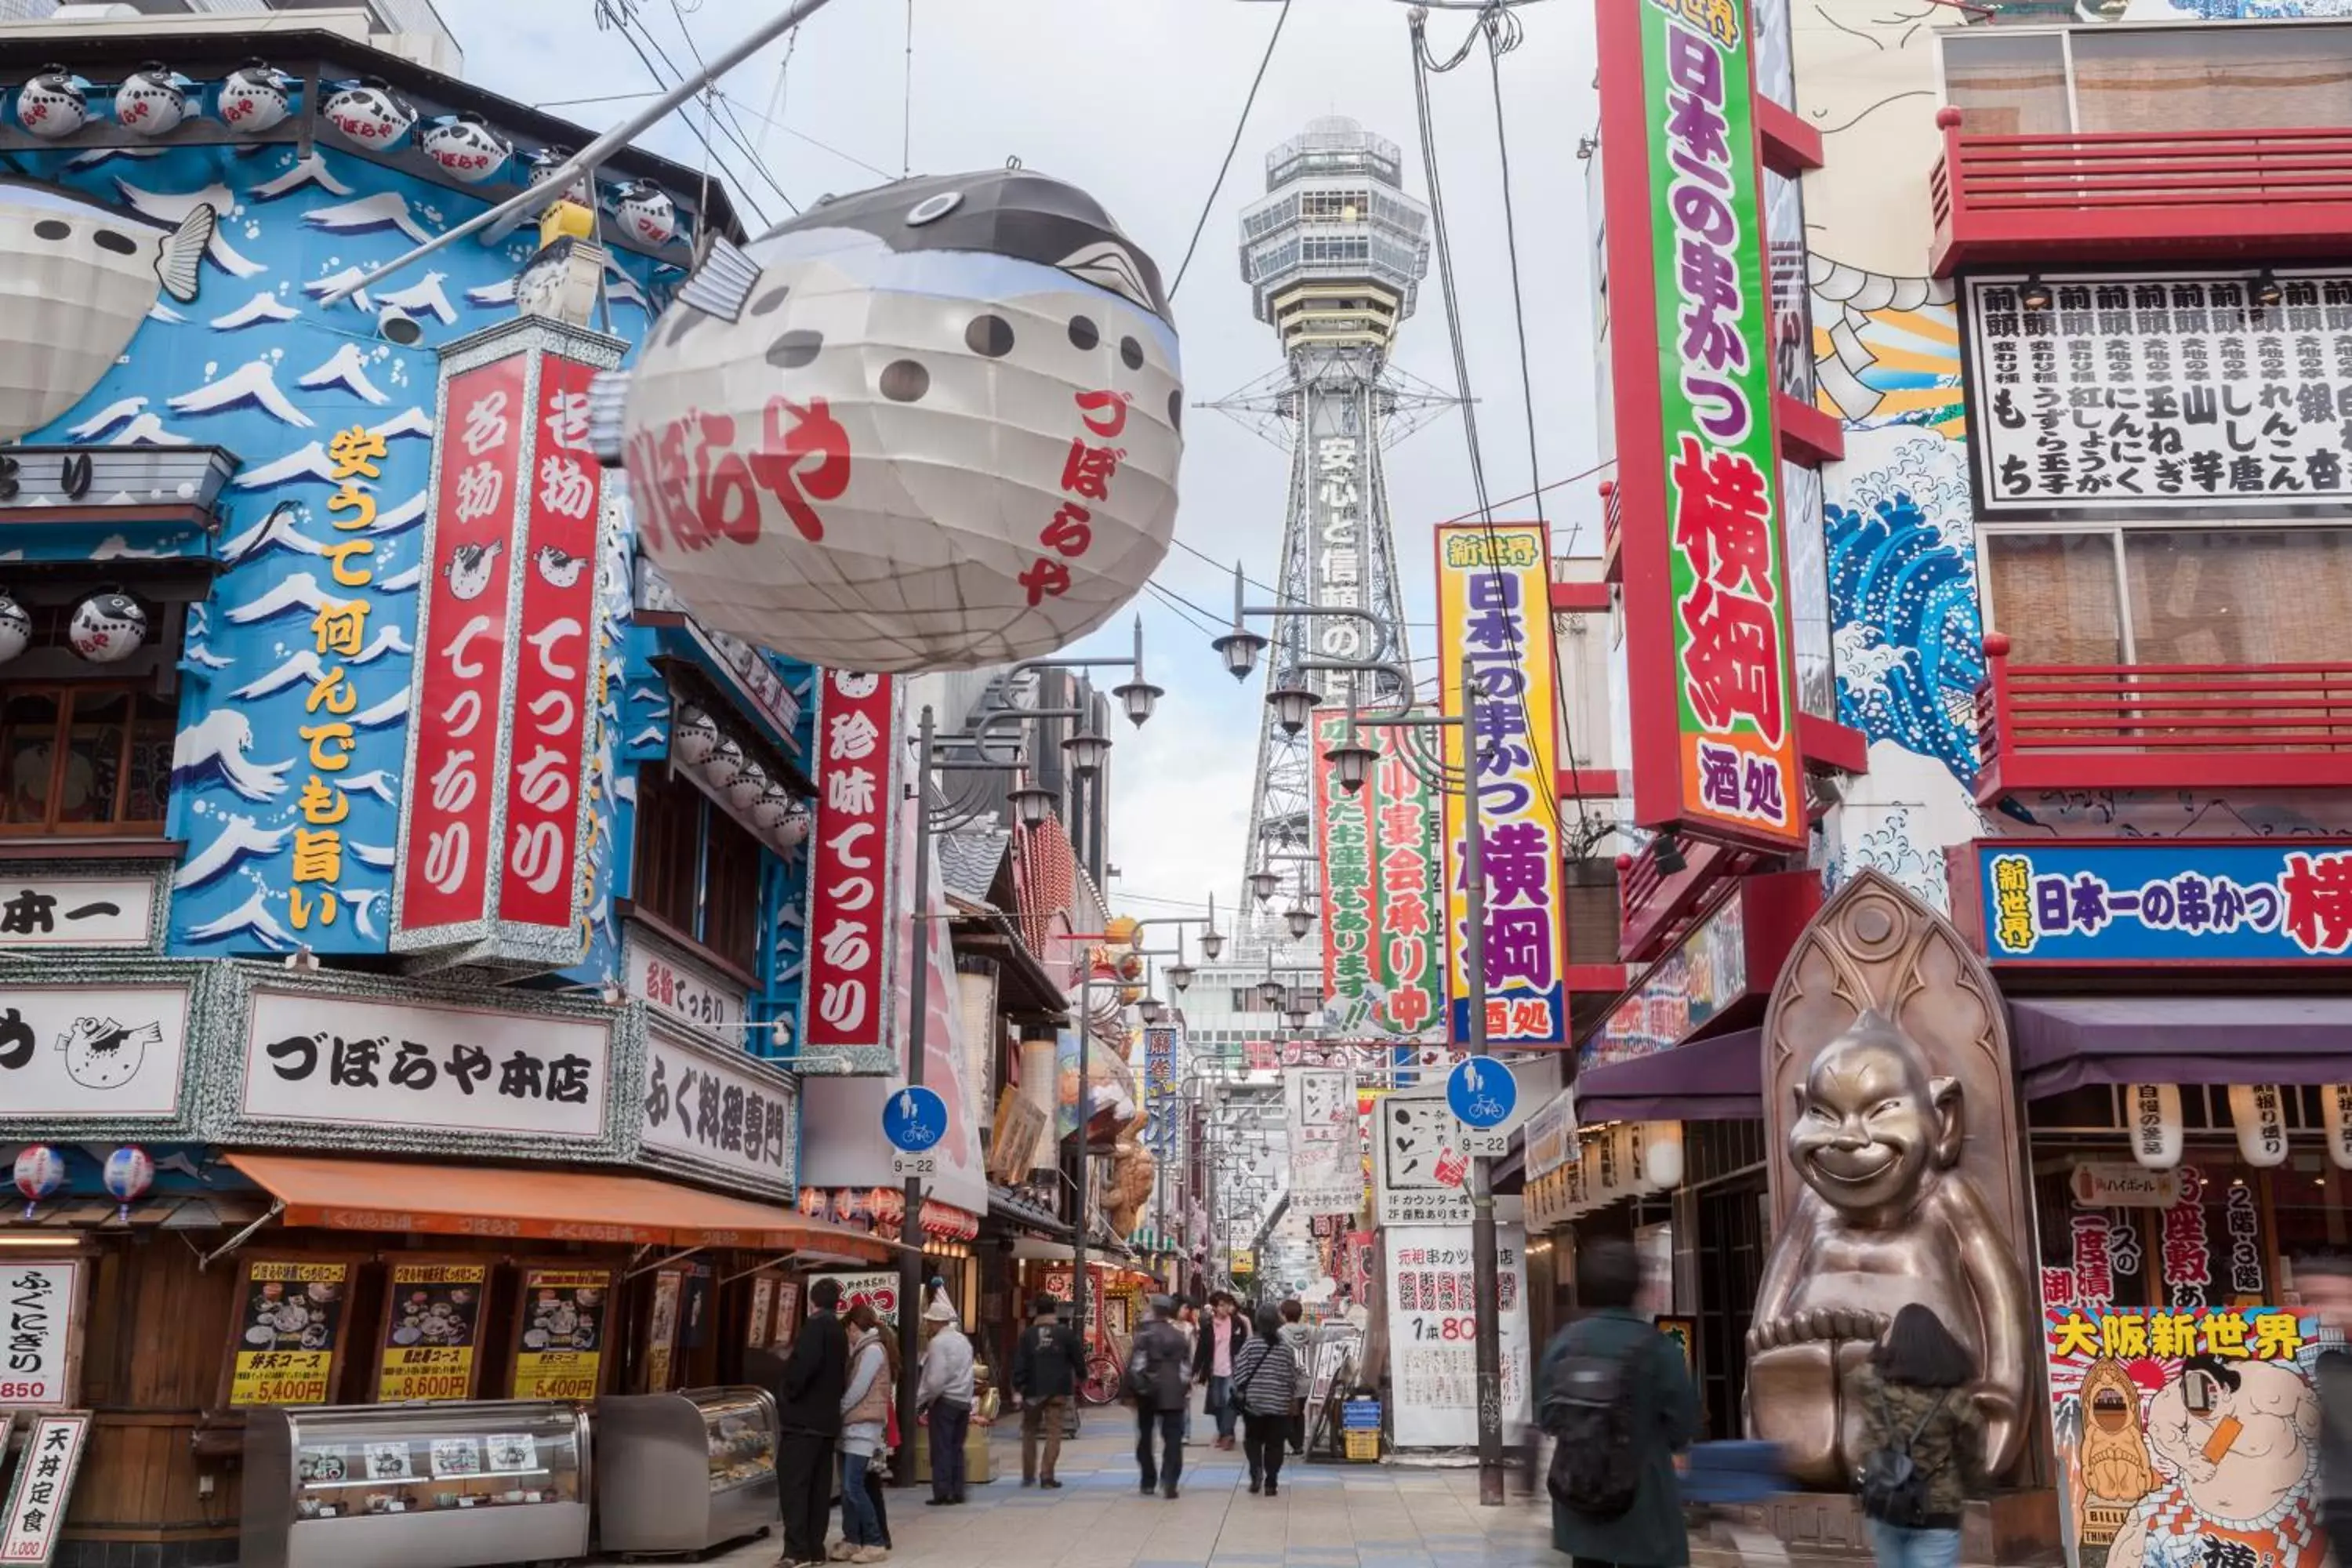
(349, 1062)
(92, 1052)
(76, 911)
(683, 988)
(731, 1117)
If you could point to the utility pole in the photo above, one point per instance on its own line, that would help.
(910, 1230)
(1486, 1272)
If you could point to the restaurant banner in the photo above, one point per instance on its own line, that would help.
(1493, 614)
(716, 1111)
(1409, 892)
(40, 1350)
(1422, 1162)
(1326, 1171)
(288, 1331)
(2161, 901)
(854, 894)
(42, 911)
(559, 1332)
(1344, 848)
(432, 1320)
(1433, 1333)
(38, 1499)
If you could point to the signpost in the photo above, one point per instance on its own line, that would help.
(1484, 1096)
(914, 1119)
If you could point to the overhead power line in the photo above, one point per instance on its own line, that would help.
(1239, 126)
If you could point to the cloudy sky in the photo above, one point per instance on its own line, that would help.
(1135, 100)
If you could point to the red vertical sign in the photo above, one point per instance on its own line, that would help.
(557, 656)
(446, 853)
(846, 1003)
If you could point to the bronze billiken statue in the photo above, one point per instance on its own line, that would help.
(1888, 1218)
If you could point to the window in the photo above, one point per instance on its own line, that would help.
(2009, 83)
(87, 756)
(697, 871)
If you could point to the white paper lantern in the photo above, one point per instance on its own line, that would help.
(794, 831)
(151, 101)
(2257, 1110)
(2336, 1112)
(369, 112)
(107, 627)
(466, 148)
(16, 628)
(1662, 1155)
(744, 790)
(2154, 1110)
(725, 762)
(255, 97)
(648, 214)
(53, 103)
(934, 425)
(694, 738)
(772, 809)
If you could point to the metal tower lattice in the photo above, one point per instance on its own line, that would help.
(1333, 254)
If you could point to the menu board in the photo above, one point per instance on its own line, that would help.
(287, 1331)
(432, 1320)
(34, 1521)
(661, 1329)
(763, 1295)
(560, 1337)
(39, 1314)
(788, 1314)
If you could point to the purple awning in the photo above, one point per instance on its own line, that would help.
(1718, 1079)
(2067, 1042)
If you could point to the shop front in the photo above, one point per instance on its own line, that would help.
(335, 1154)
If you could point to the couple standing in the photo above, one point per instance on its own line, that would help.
(1260, 1379)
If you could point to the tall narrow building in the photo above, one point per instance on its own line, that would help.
(1334, 254)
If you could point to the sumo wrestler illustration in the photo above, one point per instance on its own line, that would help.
(2236, 1450)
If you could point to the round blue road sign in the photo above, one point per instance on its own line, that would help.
(1482, 1092)
(914, 1119)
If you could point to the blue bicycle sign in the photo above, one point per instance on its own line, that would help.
(1482, 1092)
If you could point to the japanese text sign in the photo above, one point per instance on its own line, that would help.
(1706, 602)
(2159, 393)
(852, 887)
(1433, 1332)
(1326, 1169)
(1160, 1086)
(1494, 617)
(1422, 1164)
(38, 1498)
(719, 1111)
(109, 911)
(40, 1307)
(332, 1060)
(1383, 881)
(2166, 901)
(1704, 974)
(562, 1317)
(432, 1315)
(77, 1053)
(287, 1330)
(1344, 843)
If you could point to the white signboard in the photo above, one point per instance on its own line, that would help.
(1433, 1338)
(1327, 1168)
(1420, 1167)
(2123, 1184)
(91, 1052)
(348, 1061)
(1551, 1134)
(74, 911)
(43, 1484)
(719, 1111)
(2158, 393)
(38, 1302)
(684, 989)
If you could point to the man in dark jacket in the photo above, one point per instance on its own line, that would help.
(1047, 1367)
(2325, 1283)
(1664, 1415)
(808, 1423)
(1159, 1381)
(1222, 1333)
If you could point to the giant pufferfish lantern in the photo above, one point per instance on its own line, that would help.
(931, 426)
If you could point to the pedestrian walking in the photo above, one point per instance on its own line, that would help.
(1615, 1396)
(1047, 1367)
(1188, 1323)
(1923, 1441)
(865, 1425)
(1300, 1339)
(808, 1424)
(1159, 1381)
(1220, 1339)
(1265, 1381)
(2324, 1284)
(946, 1397)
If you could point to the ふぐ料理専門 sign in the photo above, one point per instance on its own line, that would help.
(718, 1112)
(853, 899)
(2166, 901)
(1493, 620)
(1709, 657)
(2148, 395)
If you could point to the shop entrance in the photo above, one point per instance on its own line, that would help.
(1730, 1244)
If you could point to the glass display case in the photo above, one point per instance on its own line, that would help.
(414, 1486)
(684, 1471)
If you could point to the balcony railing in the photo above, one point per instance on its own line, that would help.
(2161, 726)
(2134, 195)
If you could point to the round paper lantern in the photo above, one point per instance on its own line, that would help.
(934, 425)
(16, 628)
(107, 627)
(694, 738)
(255, 97)
(2156, 1123)
(1662, 1155)
(151, 101)
(52, 102)
(792, 831)
(40, 1171)
(2335, 1116)
(2258, 1112)
(129, 1172)
(646, 213)
(369, 112)
(773, 809)
(466, 148)
(750, 782)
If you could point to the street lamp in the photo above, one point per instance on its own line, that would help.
(1088, 751)
(1301, 918)
(1139, 697)
(1353, 763)
(1239, 649)
(1263, 885)
(1180, 975)
(1271, 992)
(1152, 1009)
(1293, 706)
(1032, 805)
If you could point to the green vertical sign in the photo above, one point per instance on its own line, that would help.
(1408, 874)
(1347, 870)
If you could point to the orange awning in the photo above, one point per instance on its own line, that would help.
(540, 1205)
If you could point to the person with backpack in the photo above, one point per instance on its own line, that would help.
(1047, 1367)
(1159, 1381)
(1265, 1381)
(1923, 1441)
(1617, 1399)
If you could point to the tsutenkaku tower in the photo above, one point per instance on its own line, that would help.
(1333, 254)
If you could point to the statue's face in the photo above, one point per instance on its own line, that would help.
(1868, 1124)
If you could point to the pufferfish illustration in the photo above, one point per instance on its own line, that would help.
(557, 569)
(467, 147)
(103, 1054)
(469, 568)
(78, 278)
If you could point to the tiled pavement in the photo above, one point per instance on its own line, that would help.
(1327, 1516)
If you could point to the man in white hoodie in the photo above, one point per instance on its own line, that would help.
(946, 1397)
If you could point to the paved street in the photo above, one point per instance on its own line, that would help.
(1329, 1516)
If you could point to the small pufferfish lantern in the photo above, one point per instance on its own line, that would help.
(934, 425)
(54, 102)
(152, 100)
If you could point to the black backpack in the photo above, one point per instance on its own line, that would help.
(1587, 1410)
(1894, 1490)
